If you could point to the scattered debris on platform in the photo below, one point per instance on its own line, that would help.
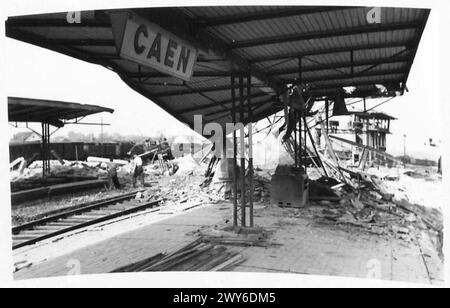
(196, 256)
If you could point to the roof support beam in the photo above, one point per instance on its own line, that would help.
(280, 72)
(338, 87)
(205, 96)
(323, 34)
(332, 51)
(340, 66)
(282, 13)
(196, 74)
(227, 102)
(192, 91)
(347, 77)
(271, 99)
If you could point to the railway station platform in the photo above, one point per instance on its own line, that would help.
(297, 245)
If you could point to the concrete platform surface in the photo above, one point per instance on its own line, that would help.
(300, 245)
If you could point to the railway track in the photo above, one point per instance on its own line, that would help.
(78, 218)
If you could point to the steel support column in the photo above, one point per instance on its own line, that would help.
(250, 147)
(45, 149)
(299, 114)
(235, 169)
(300, 139)
(242, 144)
(327, 114)
(295, 138)
(305, 138)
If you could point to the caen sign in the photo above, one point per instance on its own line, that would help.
(150, 45)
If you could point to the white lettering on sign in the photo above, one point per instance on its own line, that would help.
(150, 45)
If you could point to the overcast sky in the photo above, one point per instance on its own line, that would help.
(39, 73)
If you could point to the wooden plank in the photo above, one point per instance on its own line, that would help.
(169, 265)
(214, 262)
(231, 262)
(138, 266)
(205, 259)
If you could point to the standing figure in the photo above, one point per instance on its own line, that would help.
(138, 170)
(112, 175)
(440, 165)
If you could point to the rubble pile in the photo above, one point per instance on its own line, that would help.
(368, 203)
(182, 190)
(261, 182)
(79, 169)
(189, 166)
(71, 171)
(381, 199)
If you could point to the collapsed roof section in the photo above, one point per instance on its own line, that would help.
(50, 112)
(324, 48)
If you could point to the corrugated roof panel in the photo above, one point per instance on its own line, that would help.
(160, 89)
(211, 66)
(378, 53)
(383, 67)
(348, 82)
(102, 50)
(393, 15)
(341, 72)
(345, 72)
(221, 11)
(47, 111)
(219, 96)
(99, 33)
(328, 59)
(86, 15)
(269, 27)
(127, 65)
(337, 42)
(209, 82)
(324, 69)
(185, 101)
(342, 19)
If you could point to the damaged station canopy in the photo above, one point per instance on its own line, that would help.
(200, 60)
(54, 113)
(47, 112)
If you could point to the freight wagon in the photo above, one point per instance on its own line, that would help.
(72, 150)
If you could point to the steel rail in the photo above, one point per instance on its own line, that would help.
(69, 221)
(73, 211)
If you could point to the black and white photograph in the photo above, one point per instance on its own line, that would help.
(296, 144)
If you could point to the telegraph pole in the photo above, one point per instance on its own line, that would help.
(101, 134)
(404, 145)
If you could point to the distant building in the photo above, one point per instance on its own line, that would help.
(26, 137)
(33, 137)
(365, 128)
(371, 129)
